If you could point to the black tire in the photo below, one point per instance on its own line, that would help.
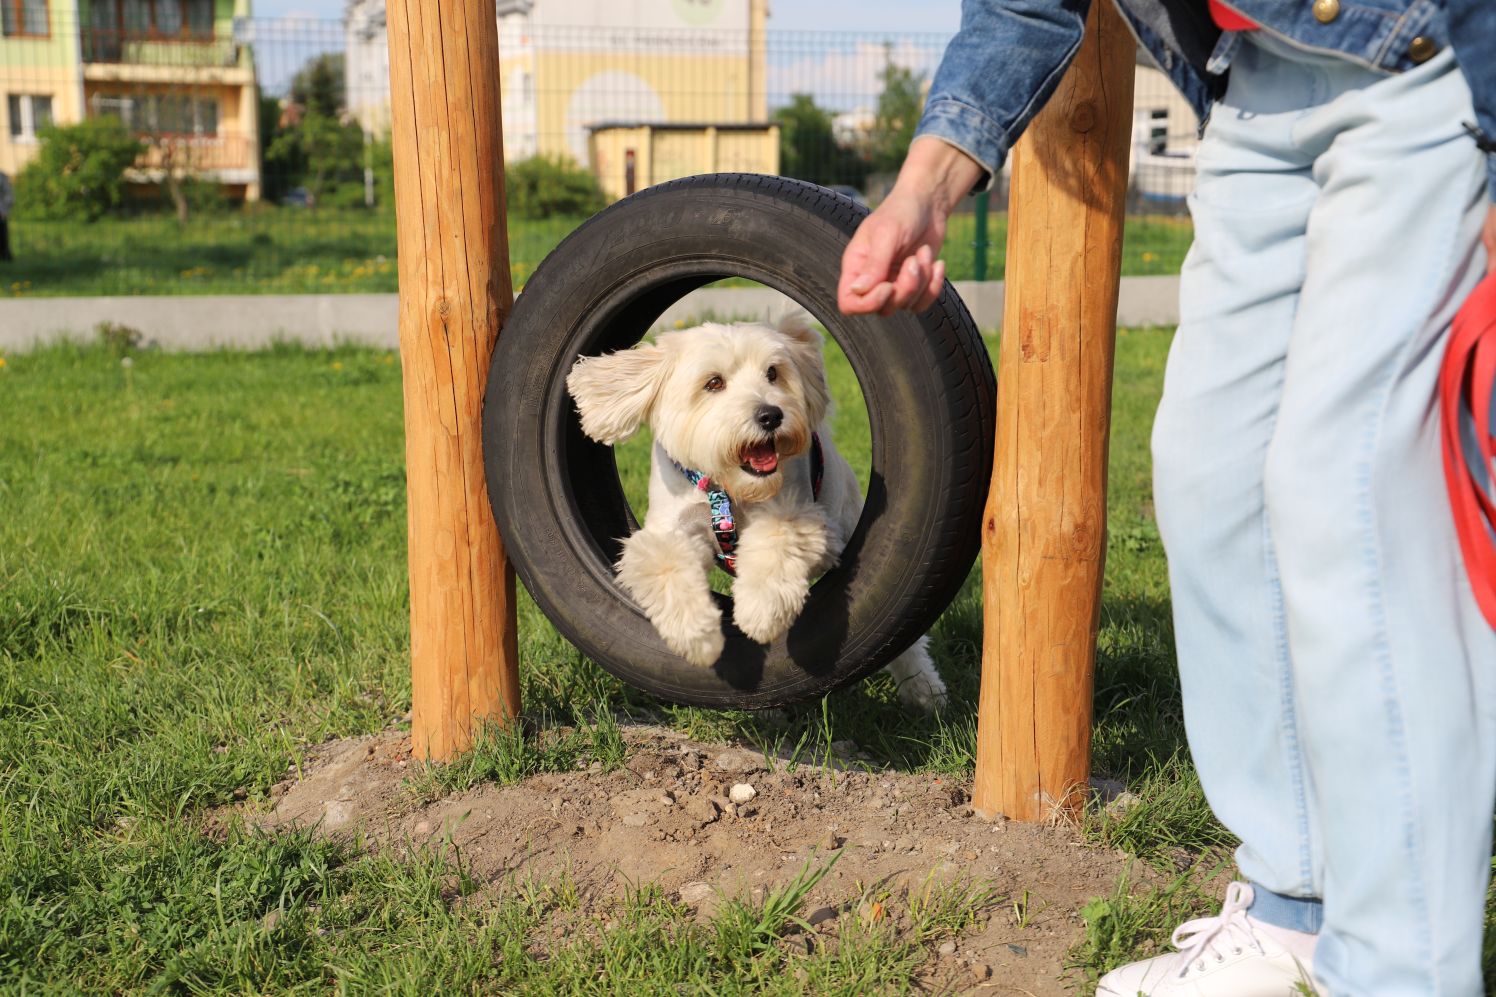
(555, 493)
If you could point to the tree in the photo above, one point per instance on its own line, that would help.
(806, 142)
(320, 149)
(319, 85)
(79, 171)
(899, 107)
(808, 149)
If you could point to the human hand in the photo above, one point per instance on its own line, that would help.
(890, 262)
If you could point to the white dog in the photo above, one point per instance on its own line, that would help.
(743, 473)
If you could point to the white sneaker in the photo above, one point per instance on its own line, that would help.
(1219, 956)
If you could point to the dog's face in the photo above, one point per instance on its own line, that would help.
(731, 401)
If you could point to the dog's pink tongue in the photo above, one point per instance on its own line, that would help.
(762, 458)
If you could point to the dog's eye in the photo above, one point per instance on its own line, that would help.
(772, 374)
(715, 383)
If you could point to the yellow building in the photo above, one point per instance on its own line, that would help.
(40, 81)
(172, 70)
(627, 156)
(571, 64)
(568, 66)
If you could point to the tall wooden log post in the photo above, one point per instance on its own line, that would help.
(1044, 541)
(455, 293)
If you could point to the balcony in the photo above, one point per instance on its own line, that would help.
(112, 54)
(229, 158)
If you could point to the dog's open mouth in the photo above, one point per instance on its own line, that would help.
(761, 459)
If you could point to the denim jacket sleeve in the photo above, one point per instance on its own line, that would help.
(1002, 65)
(1472, 33)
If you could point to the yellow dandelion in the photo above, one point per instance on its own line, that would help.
(337, 365)
(680, 323)
(1149, 257)
(2, 363)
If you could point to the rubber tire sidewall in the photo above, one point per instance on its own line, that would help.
(931, 404)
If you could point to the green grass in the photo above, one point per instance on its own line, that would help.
(202, 571)
(265, 251)
(273, 250)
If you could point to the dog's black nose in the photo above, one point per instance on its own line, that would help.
(769, 417)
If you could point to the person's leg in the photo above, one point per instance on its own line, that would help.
(1394, 668)
(1239, 295)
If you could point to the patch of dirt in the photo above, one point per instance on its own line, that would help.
(668, 817)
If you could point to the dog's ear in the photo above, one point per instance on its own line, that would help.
(805, 351)
(798, 325)
(615, 392)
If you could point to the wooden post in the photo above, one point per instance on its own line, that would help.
(1044, 538)
(455, 293)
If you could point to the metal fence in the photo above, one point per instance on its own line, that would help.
(164, 148)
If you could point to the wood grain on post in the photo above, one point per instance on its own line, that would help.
(1044, 537)
(455, 293)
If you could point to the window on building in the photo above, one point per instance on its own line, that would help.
(20, 18)
(26, 115)
(152, 18)
(173, 114)
(1158, 132)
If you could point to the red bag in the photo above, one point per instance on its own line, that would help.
(1466, 384)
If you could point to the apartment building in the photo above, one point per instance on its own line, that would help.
(174, 71)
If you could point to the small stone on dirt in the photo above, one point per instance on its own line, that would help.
(636, 820)
(981, 971)
(1122, 803)
(645, 801)
(740, 761)
(820, 915)
(947, 948)
(799, 944)
(696, 892)
(1018, 950)
(701, 809)
(742, 793)
(830, 841)
(422, 827)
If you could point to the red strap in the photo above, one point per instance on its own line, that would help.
(1467, 382)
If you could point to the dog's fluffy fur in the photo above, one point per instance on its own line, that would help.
(705, 394)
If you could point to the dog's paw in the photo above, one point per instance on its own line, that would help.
(701, 647)
(919, 685)
(923, 693)
(766, 612)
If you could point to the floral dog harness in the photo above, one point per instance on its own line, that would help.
(724, 528)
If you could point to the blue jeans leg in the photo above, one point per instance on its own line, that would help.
(1363, 769)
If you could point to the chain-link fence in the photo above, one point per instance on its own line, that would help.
(168, 147)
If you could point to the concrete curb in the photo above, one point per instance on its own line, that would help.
(250, 321)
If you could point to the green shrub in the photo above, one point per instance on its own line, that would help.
(79, 171)
(542, 186)
(342, 195)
